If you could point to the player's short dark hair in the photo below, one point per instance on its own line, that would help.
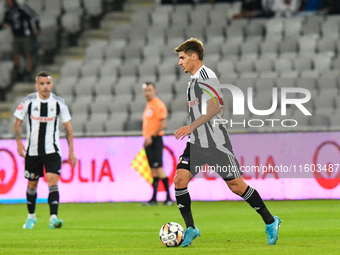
(150, 83)
(43, 74)
(190, 46)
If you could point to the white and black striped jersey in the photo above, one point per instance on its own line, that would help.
(43, 122)
(202, 87)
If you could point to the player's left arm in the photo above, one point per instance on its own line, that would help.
(69, 137)
(212, 110)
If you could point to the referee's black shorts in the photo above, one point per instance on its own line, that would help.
(34, 165)
(195, 157)
(154, 152)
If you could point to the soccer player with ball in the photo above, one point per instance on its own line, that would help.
(208, 144)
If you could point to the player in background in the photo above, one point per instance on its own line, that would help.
(209, 145)
(43, 109)
(20, 18)
(154, 122)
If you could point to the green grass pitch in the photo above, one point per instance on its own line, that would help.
(308, 227)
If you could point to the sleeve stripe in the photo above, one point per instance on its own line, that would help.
(204, 74)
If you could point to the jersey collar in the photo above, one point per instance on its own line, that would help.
(197, 74)
(44, 100)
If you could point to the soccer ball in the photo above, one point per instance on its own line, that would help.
(171, 234)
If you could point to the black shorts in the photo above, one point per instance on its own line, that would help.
(218, 160)
(34, 165)
(154, 152)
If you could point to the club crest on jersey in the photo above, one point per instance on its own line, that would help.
(51, 109)
(150, 112)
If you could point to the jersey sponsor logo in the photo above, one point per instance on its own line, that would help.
(193, 103)
(43, 119)
(20, 106)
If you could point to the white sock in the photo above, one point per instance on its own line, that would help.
(31, 215)
(53, 216)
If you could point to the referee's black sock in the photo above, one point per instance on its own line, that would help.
(166, 186)
(155, 187)
(254, 199)
(53, 199)
(31, 196)
(184, 204)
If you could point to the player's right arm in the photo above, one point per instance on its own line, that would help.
(17, 132)
(212, 110)
(19, 115)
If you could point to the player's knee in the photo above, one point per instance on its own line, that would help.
(161, 173)
(180, 182)
(236, 189)
(32, 185)
(52, 179)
